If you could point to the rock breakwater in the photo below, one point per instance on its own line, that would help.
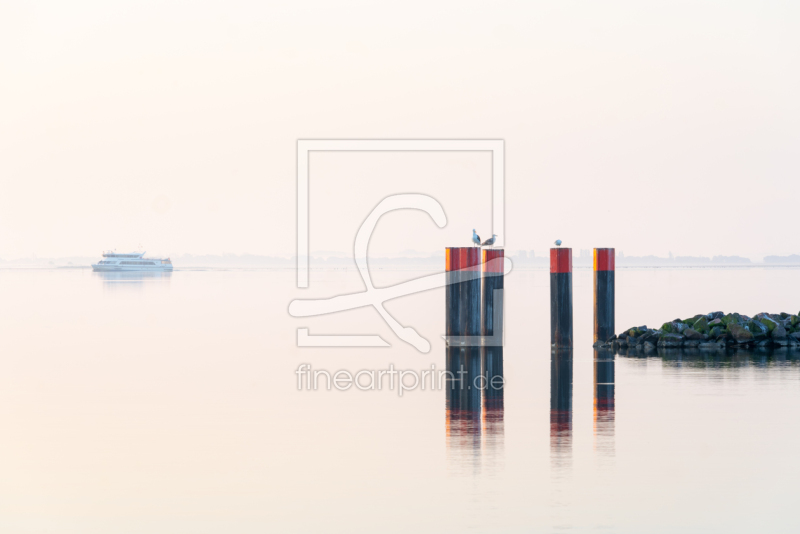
(715, 330)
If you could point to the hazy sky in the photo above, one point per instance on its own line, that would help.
(647, 126)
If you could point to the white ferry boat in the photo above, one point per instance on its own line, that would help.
(131, 261)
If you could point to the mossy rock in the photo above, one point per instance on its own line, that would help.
(757, 328)
(693, 320)
(767, 321)
(701, 325)
(795, 319)
(732, 318)
(715, 332)
(634, 332)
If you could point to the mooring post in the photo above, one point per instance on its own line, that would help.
(603, 294)
(471, 292)
(492, 280)
(561, 298)
(461, 278)
(452, 298)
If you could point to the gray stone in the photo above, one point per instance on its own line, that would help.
(670, 341)
(779, 333)
(651, 336)
(711, 346)
(649, 346)
(691, 343)
(740, 334)
(679, 327)
(692, 334)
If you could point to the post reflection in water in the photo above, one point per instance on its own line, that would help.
(474, 407)
(493, 406)
(561, 409)
(604, 402)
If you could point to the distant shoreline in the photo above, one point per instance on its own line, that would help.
(402, 267)
(433, 262)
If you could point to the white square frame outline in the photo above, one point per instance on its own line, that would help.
(305, 146)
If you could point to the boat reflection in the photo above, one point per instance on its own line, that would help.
(561, 410)
(132, 281)
(474, 422)
(604, 402)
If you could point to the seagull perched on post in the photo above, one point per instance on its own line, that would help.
(557, 243)
(489, 242)
(476, 238)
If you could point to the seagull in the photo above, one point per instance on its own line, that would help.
(476, 238)
(557, 243)
(489, 242)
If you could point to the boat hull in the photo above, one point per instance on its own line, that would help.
(132, 268)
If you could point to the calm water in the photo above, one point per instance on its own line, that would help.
(169, 404)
